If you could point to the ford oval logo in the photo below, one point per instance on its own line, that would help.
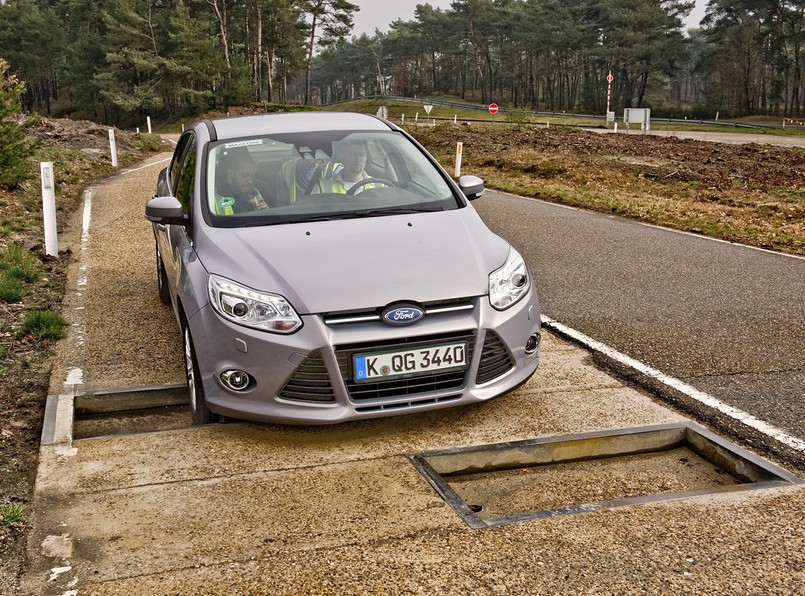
(402, 315)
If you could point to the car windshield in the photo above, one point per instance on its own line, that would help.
(321, 175)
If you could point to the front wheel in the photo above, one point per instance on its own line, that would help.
(199, 411)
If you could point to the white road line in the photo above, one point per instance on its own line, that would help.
(693, 393)
(75, 376)
(156, 163)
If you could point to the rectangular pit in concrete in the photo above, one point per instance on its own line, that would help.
(128, 411)
(114, 412)
(497, 484)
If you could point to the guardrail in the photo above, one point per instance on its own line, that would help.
(483, 108)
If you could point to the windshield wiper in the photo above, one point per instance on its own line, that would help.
(287, 220)
(380, 212)
(393, 211)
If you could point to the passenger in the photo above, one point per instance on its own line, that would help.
(236, 192)
(352, 156)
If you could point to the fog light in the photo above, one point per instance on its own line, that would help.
(532, 344)
(237, 380)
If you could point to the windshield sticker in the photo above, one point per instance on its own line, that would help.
(226, 202)
(243, 143)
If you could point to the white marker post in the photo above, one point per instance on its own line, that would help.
(148, 121)
(113, 147)
(459, 147)
(49, 208)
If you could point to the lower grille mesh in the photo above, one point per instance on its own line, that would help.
(310, 382)
(495, 359)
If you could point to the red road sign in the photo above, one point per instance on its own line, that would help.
(493, 108)
(610, 78)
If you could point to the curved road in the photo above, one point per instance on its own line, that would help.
(727, 319)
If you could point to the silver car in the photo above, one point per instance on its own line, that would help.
(323, 267)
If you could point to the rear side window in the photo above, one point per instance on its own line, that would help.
(178, 157)
(187, 176)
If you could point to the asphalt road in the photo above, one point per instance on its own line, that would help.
(732, 138)
(727, 319)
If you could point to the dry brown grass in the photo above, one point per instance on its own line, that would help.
(752, 194)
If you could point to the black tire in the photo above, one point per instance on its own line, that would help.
(162, 280)
(199, 411)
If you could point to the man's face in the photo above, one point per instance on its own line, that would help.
(354, 158)
(241, 177)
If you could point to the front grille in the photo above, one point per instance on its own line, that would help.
(310, 382)
(495, 359)
(401, 387)
(430, 309)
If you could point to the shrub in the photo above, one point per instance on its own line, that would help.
(11, 289)
(517, 117)
(14, 151)
(20, 264)
(18, 267)
(12, 513)
(43, 324)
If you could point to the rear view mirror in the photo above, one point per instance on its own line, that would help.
(166, 210)
(471, 186)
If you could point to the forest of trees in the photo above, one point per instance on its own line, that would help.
(114, 60)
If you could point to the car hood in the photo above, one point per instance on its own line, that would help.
(359, 263)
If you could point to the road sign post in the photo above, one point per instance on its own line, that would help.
(113, 147)
(610, 78)
(49, 208)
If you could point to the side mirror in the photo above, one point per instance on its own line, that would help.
(471, 186)
(166, 210)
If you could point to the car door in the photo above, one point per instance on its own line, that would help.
(181, 182)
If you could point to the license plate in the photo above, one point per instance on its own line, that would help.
(415, 361)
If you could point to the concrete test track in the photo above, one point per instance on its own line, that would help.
(265, 509)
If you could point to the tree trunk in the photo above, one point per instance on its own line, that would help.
(220, 17)
(311, 43)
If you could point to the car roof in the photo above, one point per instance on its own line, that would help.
(289, 122)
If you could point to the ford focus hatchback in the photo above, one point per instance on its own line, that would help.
(323, 267)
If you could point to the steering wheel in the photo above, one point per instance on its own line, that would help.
(367, 182)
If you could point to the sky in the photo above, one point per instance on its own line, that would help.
(378, 14)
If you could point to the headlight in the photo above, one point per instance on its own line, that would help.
(509, 283)
(243, 306)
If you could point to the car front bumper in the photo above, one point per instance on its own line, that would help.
(307, 377)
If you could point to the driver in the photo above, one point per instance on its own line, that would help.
(236, 191)
(352, 155)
